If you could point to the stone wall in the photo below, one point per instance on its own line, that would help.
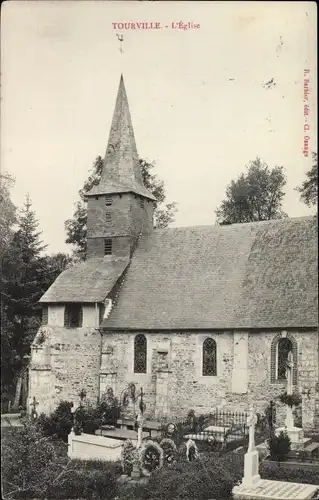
(128, 217)
(188, 389)
(66, 362)
(74, 358)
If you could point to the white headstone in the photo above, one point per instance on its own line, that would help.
(140, 421)
(289, 422)
(251, 476)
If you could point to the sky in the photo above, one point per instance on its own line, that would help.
(201, 104)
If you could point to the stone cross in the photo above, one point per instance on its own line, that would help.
(140, 421)
(251, 476)
(289, 369)
(289, 422)
(251, 422)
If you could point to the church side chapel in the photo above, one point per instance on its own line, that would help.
(193, 315)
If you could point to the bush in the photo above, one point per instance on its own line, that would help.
(279, 446)
(27, 454)
(59, 423)
(202, 479)
(84, 483)
(36, 466)
(294, 475)
(109, 409)
(89, 419)
(290, 399)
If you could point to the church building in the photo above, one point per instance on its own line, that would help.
(193, 315)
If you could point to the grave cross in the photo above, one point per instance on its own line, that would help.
(251, 422)
(289, 422)
(33, 405)
(289, 369)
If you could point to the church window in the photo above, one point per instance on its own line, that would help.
(209, 358)
(140, 354)
(73, 315)
(108, 202)
(108, 246)
(108, 217)
(45, 315)
(142, 202)
(281, 345)
(284, 346)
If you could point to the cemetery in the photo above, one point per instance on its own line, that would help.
(110, 453)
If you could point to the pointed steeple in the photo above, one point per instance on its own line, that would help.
(121, 171)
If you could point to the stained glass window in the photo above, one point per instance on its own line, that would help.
(284, 347)
(140, 354)
(209, 358)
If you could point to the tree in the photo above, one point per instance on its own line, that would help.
(26, 274)
(7, 212)
(309, 188)
(76, 227)
(254, 196)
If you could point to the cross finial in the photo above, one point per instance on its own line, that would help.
(121, 39)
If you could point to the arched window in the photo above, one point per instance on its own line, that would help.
(284, 346)
(281, 345)
(73, 315)
(209, 358)
(140, 354)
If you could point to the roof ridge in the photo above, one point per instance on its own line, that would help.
(237, 224)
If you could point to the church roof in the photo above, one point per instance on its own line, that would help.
(254, 275)
(90, 281)
(121, 171)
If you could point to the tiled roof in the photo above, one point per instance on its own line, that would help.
(121, 171)
(257, 275)
(90, 281)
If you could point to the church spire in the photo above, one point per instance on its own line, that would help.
(121, 171)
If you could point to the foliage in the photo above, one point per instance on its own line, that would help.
(7, 212)
(109, 408)
(279, 446)
(76, 228)
(309, 188)
(24, 279)
(202, 479)
(88, 419)
(36, 466)
(59, 423)
(291, 474)
(254, 196)
(290, 399)
(25, 459)
(85, 484)
(127, 457)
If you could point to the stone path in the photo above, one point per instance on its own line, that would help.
(275, 490)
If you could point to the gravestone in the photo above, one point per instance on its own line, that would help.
(251, 475)
(253, 487)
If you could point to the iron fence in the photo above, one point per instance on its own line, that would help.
(218, 430)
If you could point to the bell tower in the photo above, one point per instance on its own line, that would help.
(120, 208)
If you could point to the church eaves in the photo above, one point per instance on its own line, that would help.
(121, 171)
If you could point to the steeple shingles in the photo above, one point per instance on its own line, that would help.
(121, 172)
